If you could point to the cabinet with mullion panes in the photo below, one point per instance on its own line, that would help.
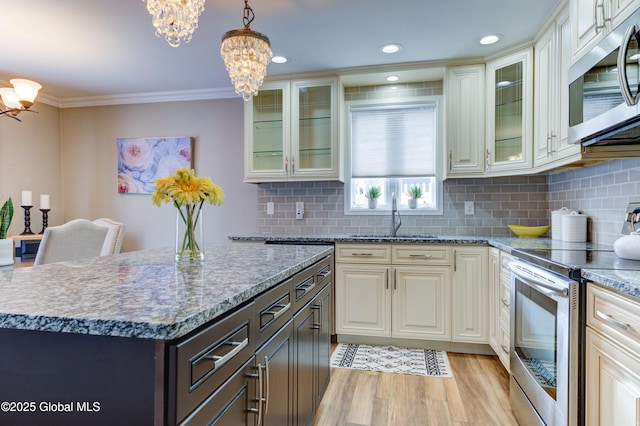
(509, 113)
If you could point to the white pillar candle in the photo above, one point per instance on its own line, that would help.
(26, 198)
(44, 202)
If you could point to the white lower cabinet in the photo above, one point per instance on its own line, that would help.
(412, 291)
(499, 304)
(612, 386)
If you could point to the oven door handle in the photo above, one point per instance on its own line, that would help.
(543, 287)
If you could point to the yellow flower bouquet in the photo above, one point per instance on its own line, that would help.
(188, 193)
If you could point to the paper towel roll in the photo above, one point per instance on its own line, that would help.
(556, 222)
(574, 227)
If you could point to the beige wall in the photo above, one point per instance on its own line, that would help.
(30, 160)
(89, 166)
(71, 154)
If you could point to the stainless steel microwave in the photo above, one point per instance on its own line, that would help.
(603, 89)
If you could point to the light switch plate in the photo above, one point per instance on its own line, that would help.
(270, 207)
(469, 208)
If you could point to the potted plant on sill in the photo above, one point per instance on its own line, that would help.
(372, 195)
(6, 244)
(414, 192)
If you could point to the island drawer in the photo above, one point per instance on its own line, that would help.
(207, 359)
(363, 253)
(411, 254)
(307, 283)
(273, 309)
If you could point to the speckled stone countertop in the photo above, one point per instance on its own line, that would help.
(144, 294)
(623, 281)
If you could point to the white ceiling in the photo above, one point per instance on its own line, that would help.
(93, 48)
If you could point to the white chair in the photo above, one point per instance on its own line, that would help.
(113, 242)
(76, 239)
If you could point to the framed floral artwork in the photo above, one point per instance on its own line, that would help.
(143, 160)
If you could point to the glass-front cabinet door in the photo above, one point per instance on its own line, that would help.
(509, 113)
(291, 131)
(267, 132)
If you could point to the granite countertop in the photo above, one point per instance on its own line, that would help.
(624, 281)
(144, 294)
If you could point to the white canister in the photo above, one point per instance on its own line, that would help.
(556, 222)
(574, 227)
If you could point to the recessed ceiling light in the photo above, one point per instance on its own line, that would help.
(279, 59)
(391, 48)
(490, 39)
(393, 78)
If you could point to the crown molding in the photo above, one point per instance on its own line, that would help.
(150, 97)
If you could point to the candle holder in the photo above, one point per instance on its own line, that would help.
(27, 221)
(45, 219)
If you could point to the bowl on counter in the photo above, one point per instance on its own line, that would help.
(529, 231)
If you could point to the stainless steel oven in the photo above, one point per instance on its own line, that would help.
(545, 354)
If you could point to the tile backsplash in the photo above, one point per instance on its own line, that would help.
(497, 201)
(600, 191)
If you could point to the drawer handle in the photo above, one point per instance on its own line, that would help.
(609, 319)
(427, 256)
(361, 254)
(305, 288)
(219, 361)
(278, 314)
(323, 274)
(505, 302)
(504, 349)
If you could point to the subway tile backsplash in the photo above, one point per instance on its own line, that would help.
(497, 201)
(601, 191)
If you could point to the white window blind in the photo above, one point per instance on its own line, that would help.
(394, 141)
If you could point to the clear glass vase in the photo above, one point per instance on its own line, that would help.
(189, 234)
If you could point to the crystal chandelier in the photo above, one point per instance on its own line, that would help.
(246, 54)
(19, 98)
(175, 19)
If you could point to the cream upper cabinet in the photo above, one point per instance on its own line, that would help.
(551, 96)
(291, 131)
(509, 112)
(470, 295)
(612, 385)
(591, 20)
(465, 118)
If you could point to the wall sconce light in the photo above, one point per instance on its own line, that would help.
(19, 98)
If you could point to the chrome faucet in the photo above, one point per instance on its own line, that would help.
(395, 216)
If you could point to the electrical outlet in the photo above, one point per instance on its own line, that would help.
(270, 208)
(299, 210)
(468, 207)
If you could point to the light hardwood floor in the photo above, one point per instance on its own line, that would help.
(478, 394)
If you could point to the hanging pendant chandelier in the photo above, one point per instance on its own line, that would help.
(19, 98)
(246, 54)
(175, 19)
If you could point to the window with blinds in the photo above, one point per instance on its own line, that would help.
(395, 148)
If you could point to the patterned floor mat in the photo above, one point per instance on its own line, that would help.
(390, 359)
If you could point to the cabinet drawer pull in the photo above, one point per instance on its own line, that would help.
(361, 254)
(267, 383)
(612, 321)
(219, 361)
(427, 256)
(505, 302)
(278, 314)
(323, 274)
(304, 288)
(504, 349)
